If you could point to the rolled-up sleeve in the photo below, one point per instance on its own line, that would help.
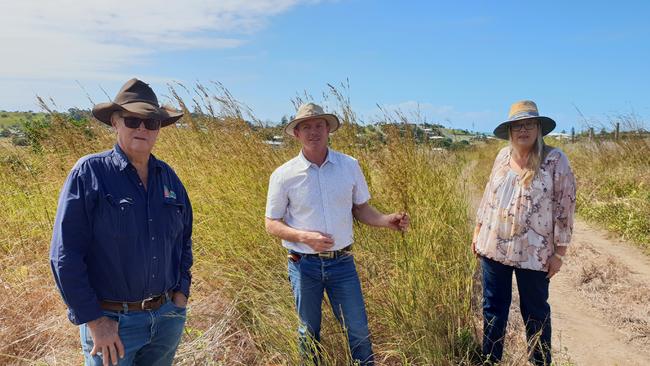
(71, 238)
(277, 198)
(564, 201)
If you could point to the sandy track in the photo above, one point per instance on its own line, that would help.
(601, 315)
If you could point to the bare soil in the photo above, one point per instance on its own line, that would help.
(601, 301)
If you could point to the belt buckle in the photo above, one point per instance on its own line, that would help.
(145, 304)
(327, 255)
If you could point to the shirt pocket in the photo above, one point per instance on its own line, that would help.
(173, 216)
(118, 217)
(304, 196)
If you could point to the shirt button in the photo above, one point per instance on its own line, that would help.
(155, 258)
(153, 238)
(153, 276)
(150, 220)
(140, 183)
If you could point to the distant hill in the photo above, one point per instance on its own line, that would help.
(18, 118)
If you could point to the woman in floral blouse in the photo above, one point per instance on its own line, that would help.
(524, 225)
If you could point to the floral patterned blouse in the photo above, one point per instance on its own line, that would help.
(521, 226)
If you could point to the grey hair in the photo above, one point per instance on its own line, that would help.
(114, 115)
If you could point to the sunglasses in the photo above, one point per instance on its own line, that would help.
(529, 125)
(134, 122)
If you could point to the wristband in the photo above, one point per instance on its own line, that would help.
(560, 257)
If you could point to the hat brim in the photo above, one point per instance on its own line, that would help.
(547, 124)
(332, 122)
(103, 111)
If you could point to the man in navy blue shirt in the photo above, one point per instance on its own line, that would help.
(121, 248)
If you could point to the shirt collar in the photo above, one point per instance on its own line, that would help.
(305, 164)
(122, 161)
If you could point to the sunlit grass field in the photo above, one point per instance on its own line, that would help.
(417, 286)
(614, 186)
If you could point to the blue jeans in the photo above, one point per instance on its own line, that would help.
(149, 337)
(535, 310)
(310, 277)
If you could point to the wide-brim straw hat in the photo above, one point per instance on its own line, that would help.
(136, 97)
(312, 111)
(522, 110)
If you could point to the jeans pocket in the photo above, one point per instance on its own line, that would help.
(294, 258)
(181, 310)
(346, 257)
(86, 338)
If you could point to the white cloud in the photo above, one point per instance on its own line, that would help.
(98, 39)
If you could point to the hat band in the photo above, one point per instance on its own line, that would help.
(130, 101)
(309, 114)
(524, 114)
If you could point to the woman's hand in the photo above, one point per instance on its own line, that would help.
(553, 266)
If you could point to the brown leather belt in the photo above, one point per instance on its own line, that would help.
(329, 255)
(152, 303)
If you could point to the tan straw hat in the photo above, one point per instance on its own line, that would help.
(136, 97)
(524, 109)
(312, 111)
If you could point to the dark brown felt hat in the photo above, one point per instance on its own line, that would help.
(137, 97)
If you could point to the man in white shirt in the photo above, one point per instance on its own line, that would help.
(311, 202)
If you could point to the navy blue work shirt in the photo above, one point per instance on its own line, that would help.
(113, 240)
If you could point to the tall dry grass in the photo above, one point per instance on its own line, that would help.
(417, 286)
(614, 185)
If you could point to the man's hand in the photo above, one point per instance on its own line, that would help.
(179, 299)
(106, 340)
(318, 241)
(553, 266)
(399, 221)
(477, 229)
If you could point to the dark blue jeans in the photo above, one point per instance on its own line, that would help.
(535, 310)
(149, 337)
(310, 277)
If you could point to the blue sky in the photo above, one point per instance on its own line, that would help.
(461, 63)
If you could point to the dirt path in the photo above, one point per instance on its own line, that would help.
(601, 312)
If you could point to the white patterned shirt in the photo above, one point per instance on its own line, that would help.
(521, 226)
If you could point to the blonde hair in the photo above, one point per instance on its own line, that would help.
(535, 157)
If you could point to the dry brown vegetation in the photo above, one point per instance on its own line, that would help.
(418, 287)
